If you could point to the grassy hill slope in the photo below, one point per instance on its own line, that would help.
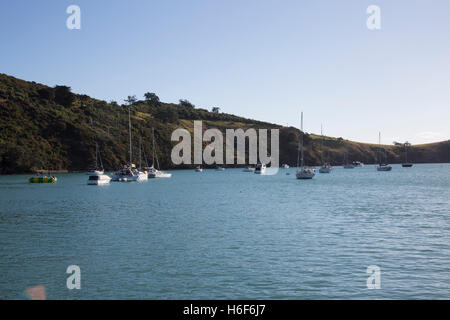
(52, 128)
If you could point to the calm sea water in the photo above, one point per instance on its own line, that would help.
(230, 235)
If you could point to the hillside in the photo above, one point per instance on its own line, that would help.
(53, 128)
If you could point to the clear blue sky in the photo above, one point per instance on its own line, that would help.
(261, 59)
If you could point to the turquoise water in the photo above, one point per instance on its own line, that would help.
(230, 235)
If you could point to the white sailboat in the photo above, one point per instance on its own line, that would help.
(96, 169)
(152, 171)
(199, 169)
(326, 166)
(129, 172)
(304, 172)
(97, 176)
(382, 166)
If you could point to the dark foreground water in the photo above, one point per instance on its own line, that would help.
(230, 235)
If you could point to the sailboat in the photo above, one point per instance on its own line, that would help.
(326, 166)
(199, 169)
(382, 166)
(304, 172)
(347, 165)
(129, 172)
(96, 175)
(96, 169)
(407, 164)
(152, 171)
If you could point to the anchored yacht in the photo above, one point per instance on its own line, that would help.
(303, 172)
(260, 168)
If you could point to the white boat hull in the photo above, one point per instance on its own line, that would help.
(384, 168)
(159, 174)
(129, 178)
(97, 180)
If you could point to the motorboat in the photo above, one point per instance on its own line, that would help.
(260, 168)
(358, 164)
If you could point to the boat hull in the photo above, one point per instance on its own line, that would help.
(325, 169)
(305, 174)
(159, 174)
(407, 165)
(384, 168)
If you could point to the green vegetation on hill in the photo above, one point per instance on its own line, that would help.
(55, 129)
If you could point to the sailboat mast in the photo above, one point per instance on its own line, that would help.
(96, 152)
(140, 153)
(379, 147)
(129, 128)
(302, 160)
(406, 152)
(153, 147)
(321, 144)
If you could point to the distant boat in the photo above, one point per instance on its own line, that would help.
(152, 171)
(249, 169)
(358, 164)
(326, 167)
(347, 165)
(129, 172)
(260, 168)
(407, 164)
(382, 166)
(98, 179)
(199, 169)
(285, 166)
(304, 172)
(96, 170)
(220, 168)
